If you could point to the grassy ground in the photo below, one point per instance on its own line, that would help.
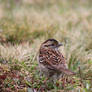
(25, 24)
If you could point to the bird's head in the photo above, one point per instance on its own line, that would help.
(51, 43)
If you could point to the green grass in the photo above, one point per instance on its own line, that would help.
(25, 24)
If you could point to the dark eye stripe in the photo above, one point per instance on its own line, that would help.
(49, 45)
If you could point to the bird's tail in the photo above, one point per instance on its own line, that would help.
(66, 71)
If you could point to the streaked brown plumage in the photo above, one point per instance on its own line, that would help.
(51, 61)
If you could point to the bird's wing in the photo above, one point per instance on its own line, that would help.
(54, 60)
(52, 56)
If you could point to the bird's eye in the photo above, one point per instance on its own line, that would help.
(52, 44)
(46, 45)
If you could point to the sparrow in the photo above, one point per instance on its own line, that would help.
(51, 60)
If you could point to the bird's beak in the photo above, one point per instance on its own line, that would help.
(60, 44)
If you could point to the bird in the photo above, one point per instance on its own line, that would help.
(51, 60)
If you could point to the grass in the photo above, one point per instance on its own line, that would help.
(25, 24)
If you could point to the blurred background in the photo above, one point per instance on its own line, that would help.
(25, 24)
